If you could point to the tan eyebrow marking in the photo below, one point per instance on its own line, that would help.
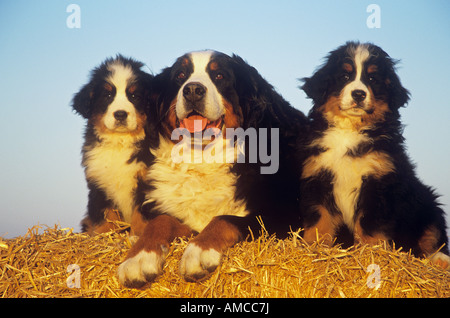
(347, 67)
(372, 69)
(213, 66)
(108, 87)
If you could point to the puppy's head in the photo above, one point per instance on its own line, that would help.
(357, 84)
(115, 98)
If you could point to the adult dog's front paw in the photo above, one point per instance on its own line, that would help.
(143, 268)
(197, 263)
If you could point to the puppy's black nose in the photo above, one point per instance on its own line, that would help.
(120, 115)
(194, 92)
(359, 95)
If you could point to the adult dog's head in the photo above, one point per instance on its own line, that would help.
(209, 89)
(357, 84)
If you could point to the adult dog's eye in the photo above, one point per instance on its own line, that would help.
(181, 75)
(135, 96)
(219, 76)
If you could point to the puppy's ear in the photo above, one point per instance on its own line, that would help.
(82, 100)
(398, 95)
(321, 84)
(317, 86)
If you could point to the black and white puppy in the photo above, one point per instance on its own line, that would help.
(115, 151)
(357, 174)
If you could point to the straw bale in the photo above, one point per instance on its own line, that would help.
(47, 265)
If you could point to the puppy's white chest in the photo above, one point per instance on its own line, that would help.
(347, 170)
(107, 165)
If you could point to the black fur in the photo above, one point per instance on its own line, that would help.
(398, 205)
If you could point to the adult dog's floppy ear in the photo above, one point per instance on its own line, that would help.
(262, 105)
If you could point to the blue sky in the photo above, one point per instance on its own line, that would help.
(43, 63)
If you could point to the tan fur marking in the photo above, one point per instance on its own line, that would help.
(324, 229)
(347, 67)
(108, 87)
(379, 108)
(132, 89)
(333, 114)
(137, 223)
(107, 225)
(372, 69)
(213, 66)
(102, 130)
(362, 237)
(160, 231)
(232, 120)
(170, 120)
(429, 240)
(185, 62)
(218, 234)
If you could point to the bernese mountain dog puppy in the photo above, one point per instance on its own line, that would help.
(115, 151)
(225, 154)
(357, 176)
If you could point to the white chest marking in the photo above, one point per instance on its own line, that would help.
(107, 165)
(347, 171)
(192, 192)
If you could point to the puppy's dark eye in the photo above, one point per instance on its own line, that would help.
(108, 90)
(346, 77)
(372, 79)
(219, 76)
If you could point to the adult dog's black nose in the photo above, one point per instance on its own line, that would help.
(120, 115)
(359, 95)
(194, 92)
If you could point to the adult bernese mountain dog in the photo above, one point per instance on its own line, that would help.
(115, 151)
(357, 175)
(224, 155)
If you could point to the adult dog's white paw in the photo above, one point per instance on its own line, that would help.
(140, 269)
(196, 263)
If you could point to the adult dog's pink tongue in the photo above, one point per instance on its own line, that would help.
(194, 123)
